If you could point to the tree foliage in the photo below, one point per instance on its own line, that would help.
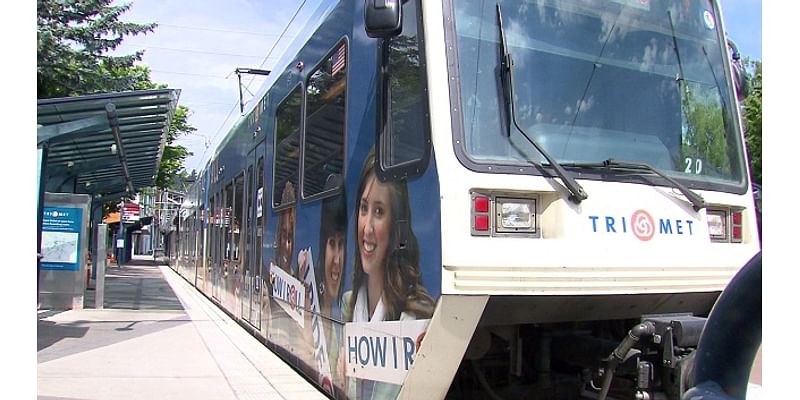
(171, 168)
(74, 39)
(752, 120)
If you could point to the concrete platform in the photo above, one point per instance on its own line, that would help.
(157, 338)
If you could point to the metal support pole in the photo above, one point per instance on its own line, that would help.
(100, 280)
(96, 218)
(241, 102)
(120, 250)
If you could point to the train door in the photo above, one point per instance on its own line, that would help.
(208, 234)
(258, 238)
(226, 243)
(191, 243)
(216, 262)
(200, 256)
(235, 236)
(199, 259)
(252, 286)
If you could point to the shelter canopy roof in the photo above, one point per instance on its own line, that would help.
(109, 143)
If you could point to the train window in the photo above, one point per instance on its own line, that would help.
(404, 141)
(287, 148)
(323, 140)
(236, 225)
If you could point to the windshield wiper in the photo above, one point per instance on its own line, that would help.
(577, 194)
(680, 77)
(697, 201)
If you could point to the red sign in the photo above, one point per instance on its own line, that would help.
(131, 212)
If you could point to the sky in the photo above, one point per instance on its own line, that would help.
(199, 43)
(743, 24)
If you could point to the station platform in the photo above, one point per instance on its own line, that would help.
(156, 338)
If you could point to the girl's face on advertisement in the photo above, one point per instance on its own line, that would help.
(374, 225)
(334, 258)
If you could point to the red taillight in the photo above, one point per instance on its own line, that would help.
(482, 223)
(481, 204)
(737, 234)
(736, 226)
(736, 216)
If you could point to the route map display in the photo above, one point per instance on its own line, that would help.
(61, 238)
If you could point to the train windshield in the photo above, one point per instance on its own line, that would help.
(635, 80)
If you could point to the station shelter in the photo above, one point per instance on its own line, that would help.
(93, 151)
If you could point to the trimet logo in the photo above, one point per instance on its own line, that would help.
(641, 224)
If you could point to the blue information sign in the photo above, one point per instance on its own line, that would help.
(61, 238)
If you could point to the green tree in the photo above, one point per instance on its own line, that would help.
(74, 39)
(172, 167)
(752, 119)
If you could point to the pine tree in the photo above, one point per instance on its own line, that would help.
(74, 39)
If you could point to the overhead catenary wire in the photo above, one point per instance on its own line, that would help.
(197, 28)
(213, 53)
(189, 74)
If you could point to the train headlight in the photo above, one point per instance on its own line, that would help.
(516, 215)
(717, 226)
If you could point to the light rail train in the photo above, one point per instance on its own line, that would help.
(527, 199)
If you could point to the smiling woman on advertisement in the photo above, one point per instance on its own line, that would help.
(387, 285)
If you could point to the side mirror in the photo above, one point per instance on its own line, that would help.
(383, 18)
(739, 74)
